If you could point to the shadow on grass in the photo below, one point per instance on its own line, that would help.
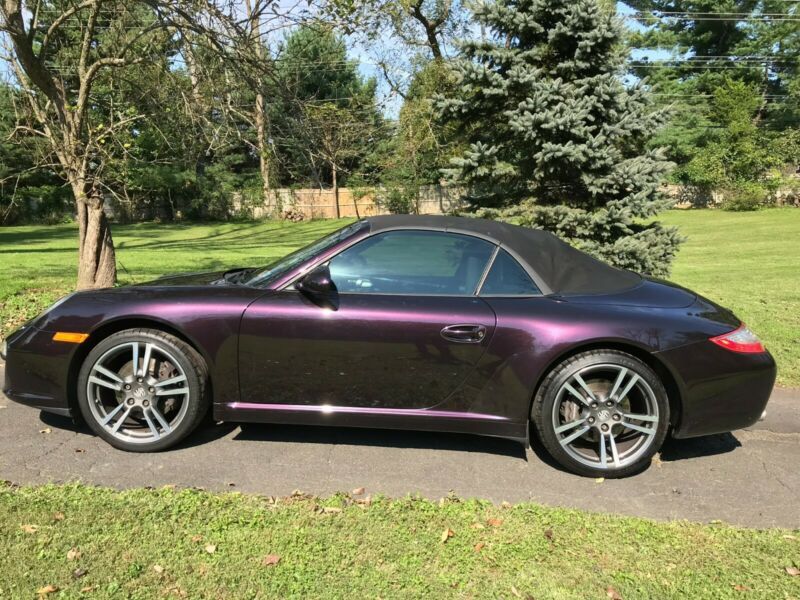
(12, 239)
(277, 235)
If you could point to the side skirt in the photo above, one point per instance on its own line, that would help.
(377, 418)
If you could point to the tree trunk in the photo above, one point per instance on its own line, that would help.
(97, 265)
(263, 152)
(335, 190)
(261, 119)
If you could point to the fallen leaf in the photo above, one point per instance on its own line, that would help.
(364, 501)
(271, 559)
(158, 569)
(358, 491)
(741, 588)
(494, 522)
(48, 589)
(197, 538)
(79, 450)
(87, 589)
(446, 534)
(515, 592)
(59, 516)
(479, 546)
(789, 537)
(231, 484)
(28, 528)
(548, 534)
(168, 486)
(599, 479)
(612, 593)
(331, 509)
(477, 526)
(793, 571)
(211, 548)
(73, 554)
(46, 430)
(505, 504)
(78, 573)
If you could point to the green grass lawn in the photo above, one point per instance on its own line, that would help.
(91, 542)
(749, 262)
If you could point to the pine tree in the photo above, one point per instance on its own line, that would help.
(554, 138)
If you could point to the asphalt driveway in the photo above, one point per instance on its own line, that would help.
(750, 477)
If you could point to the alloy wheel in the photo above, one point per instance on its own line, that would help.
(606, 416)
(138, 392)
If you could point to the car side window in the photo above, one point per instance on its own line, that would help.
(412, 262)
(508, 278)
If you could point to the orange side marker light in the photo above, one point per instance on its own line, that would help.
(72, 338)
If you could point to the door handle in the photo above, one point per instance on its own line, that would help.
(464, 333)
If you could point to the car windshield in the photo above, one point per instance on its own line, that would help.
(264, 276)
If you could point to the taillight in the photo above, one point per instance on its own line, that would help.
(740, 340)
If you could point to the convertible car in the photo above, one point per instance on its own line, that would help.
(413, 322)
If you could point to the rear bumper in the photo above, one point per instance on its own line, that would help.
(721, 390)
(37, 370)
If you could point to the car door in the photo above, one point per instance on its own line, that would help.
(403, 329)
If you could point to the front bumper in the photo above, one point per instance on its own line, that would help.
(37, 370)
(721, 390)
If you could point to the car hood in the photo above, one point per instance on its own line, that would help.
(650, 293)
(184, 279)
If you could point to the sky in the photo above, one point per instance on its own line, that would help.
(390, 102)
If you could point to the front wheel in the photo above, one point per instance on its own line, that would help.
(602, 413)
(142, 390)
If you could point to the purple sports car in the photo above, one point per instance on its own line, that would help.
(413, 322)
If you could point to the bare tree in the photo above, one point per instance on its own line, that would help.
(60, 50)
(333, 134)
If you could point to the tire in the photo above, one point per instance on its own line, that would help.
(144, 408)
(602, 413)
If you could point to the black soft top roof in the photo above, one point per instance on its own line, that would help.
(557, 267)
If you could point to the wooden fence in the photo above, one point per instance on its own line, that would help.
(315, 203)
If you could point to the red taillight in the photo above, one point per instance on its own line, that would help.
(740, 340)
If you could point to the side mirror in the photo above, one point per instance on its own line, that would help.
(317, 282)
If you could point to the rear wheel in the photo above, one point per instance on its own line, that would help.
(142, 390)
(602, 413)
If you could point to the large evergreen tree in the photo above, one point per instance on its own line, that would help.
(555, 139)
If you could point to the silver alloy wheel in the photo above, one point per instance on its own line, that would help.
(138, 392)
(605, 416)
